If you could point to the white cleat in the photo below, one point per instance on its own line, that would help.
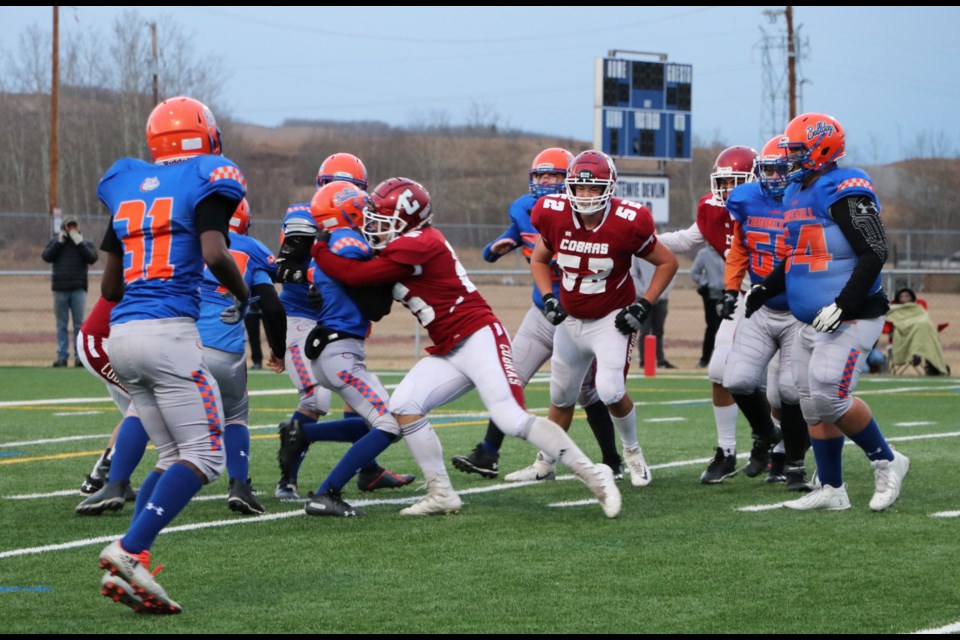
(133, 569)
(441, 499)
(119, 590)
(541, 469)
(824, 498)
(604, 488)
(637, 465)
(888, 476)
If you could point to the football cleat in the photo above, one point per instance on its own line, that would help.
(119, 590)
(775, 470)
(293, 442)
(330, 504)
(637, 466)
(604, 488)
(888, 477)
(616, 468)
(824, 498)
(134, 569)
(479, 461)
(796, 477)
(242, 499)
(381, 478)
(286, 490)
(110, 498)
(441, 499)
(90, 486)
(720, 468)
(539, 470)
(760, 453)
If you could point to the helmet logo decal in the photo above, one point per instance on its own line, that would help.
(409, 205)
(821, 128)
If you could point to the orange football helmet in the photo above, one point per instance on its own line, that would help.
(180, 128)
(240, 222)
(772, 165)
(550, 161)
(342, 166)
(812, 141)
(338, 205)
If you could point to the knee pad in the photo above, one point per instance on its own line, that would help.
(316, 400)
(830, 409)
(718, 362)
(611, 387)
(201, 453)
(739, 376)
(388, 424)
(167, 454)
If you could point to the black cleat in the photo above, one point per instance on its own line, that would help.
(129, 494)
(381, 478)
(720, 468)
(242, 498)
(330, 504)
(293, 442)
(775, 472)
(90, 486)
(796, 477)
(480, 461)
(760, 453)
(286, 490)
(110, 497)
(617, 469)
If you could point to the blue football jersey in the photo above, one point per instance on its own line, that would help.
(257, 266)
(294, 296)
(523, 234)
(761, 225)
(153, 209)
(339, 312)
(820, 260)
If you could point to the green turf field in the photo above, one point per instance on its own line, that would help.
(680, 558)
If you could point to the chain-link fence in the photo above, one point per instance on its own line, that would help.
(928, 263)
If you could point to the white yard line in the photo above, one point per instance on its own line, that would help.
(921, 423)
(61, 414)
(946, 514)
(673, 419)
(572, 503)
(950, 628)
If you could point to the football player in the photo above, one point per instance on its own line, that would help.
(470, 348)
(533, 342)
(832, 279)
(167, 220)
(734, 166)
(758, 237)
(593, 238)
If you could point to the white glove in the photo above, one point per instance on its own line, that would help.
(828, 318)
(76, 236)
(62, 237)
(236, 312)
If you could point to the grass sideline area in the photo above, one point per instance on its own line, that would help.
(680, 558)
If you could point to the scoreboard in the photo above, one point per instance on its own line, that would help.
(642, 109)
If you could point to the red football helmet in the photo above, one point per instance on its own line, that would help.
(180, 128)
(772, 167)
(549, 161)
(396, 207)
(338, 205)
(812, 141)
(240, 222)
(342, 166)
(591, 169)
(736, 163)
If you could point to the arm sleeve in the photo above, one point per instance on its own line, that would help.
(359, 274)
(859, 220)
(736, 262)
(274, 318)
(111, 243)
(52, 250)
(683, 241)
(214, 213)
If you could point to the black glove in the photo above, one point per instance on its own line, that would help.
(323, 236)
(293, 258)
(631, 318)
(552, 311)
(314, 298)
(727, 305)
(756, 298)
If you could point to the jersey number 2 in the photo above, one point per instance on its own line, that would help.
(147, 240)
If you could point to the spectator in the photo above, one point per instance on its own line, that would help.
(707, 272)
(914, 337)
(70, 256)
(642, 271)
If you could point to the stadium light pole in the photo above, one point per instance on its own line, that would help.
(54, 99)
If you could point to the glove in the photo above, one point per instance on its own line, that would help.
(314, 298)
(552, 311)
(237, 311)
(323, 236)
(62, 237)
(76, 236)
(631, 318)
(727, 305)
(292, 259)
(755, 299)
(828, 318)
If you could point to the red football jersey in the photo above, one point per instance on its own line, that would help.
(715, 225)
(439, 293)
(98, 322)
(596, 263)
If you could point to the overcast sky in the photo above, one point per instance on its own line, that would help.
(888, 75)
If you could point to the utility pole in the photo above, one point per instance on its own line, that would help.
(791, 64)
(54, 99)
(155, 64)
